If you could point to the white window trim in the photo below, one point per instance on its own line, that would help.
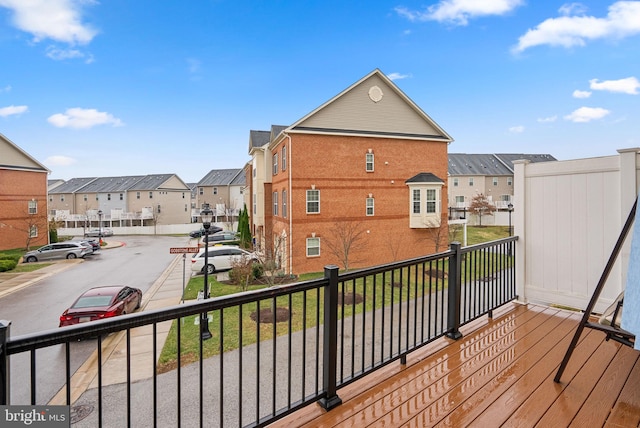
(33, 207)
(307, 201)
(423, 219)
(369, 162)
(370, 203)
(309, 247)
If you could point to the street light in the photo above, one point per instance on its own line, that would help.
(510, 208)
(206, 215)
(100, 226)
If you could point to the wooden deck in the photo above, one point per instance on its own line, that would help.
(500, 373)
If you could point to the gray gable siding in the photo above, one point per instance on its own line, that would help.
(355, 112)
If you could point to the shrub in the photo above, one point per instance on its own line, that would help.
(257, 270)
(7, 265)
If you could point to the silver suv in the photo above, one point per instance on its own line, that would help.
(60, 250)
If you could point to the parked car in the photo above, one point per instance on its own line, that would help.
(102, 302)
(93, 244)
(220, 258)
(59, 250)
(198, 233)
(96, 233)
(221, 238)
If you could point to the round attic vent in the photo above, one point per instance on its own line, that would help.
(375, 94)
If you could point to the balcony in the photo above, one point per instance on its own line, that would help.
(438, 340)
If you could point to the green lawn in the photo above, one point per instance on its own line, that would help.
(237, 322)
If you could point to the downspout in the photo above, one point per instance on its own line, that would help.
(290, 196)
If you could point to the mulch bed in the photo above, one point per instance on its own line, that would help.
(266, 315)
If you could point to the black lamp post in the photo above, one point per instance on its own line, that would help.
(206, 215)
(510, 208)
(100, 226)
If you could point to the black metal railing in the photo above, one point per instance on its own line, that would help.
(272, 351)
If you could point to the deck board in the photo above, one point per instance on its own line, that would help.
(500, 373)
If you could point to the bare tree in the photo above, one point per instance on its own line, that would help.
(242, 271)
(344, 239)
(480, 206)
(33, 225)
(273, 259)
(436, 233)
(454, 231)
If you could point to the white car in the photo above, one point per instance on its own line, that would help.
(220, 258)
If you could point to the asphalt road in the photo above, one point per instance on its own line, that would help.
(138, 263)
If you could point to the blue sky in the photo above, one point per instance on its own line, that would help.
(123, 87)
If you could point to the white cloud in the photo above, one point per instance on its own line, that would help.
(581, 94)
(58, 20)
(459, 12)
(622, 20)
(398, 76)
(59, 160)
(587, 114)
(572, 9)
(516, 129)
(549, 119)
(11, 110)
(630, 85)
(5, 89)
(58, 54)
(80, 118)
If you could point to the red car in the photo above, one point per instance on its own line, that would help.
(102, 302)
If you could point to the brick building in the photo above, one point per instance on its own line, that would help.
(363, 174)
(23, 198)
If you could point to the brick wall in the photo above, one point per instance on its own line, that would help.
(17, 188)
(335, 165)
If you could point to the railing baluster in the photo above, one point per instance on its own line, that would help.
(453, 307)
(330, 346)
(5, 367)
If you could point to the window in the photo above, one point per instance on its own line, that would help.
(121, 196)
(255, 204)
(495, 181)
(284, 203)
(459, 199)
(108, 196)
(510, 181)
(284, 157)
(61, 198)
(137, 195)
(182, 195)
(33, 232)
(275, 203)
(159, 211)
(215, 190)
(431, 201)
(370, 206)
(33, 207)
(84, 197)
(313, 247)
(425, 205)
(201, 191)
(186, 207)
(313, 201)
(416, 201)
(254, 173)
(369, 162)
(275, 164)
(455, 182)
(470, 181)
(51, 198)
(150, 195)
